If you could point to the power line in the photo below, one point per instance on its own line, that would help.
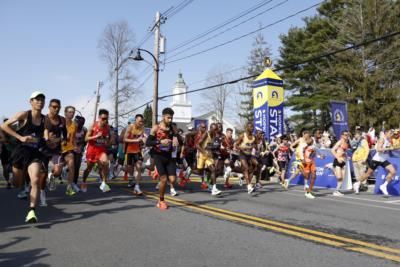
(247, 34)
(229, 29)
(227, 22)
(316, 58)
(179, 8)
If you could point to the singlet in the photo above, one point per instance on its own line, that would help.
(160, 135)
(134, 134)
(309, 153)
(105, 136)
(207, 144)
(58, 130)
(71, 133)
(247, 144)
(216, 144)
(33, 130)
(80, 140)
(283, 153)
(382, 156)
(228, 145)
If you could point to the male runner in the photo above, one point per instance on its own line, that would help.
(162, 140)
(28, 128)
(98, 138)
(80, 145)
(339, 151)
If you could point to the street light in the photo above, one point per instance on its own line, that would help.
(139, 57)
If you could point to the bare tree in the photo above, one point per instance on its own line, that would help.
(115, 45)
(218, 98)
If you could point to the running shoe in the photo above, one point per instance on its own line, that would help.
(31, 217)
(259, 186)
(131, 183)
(356, 187)
(309, 195)
(22, 195)
(104, 187)
(286, 184)
(84, 187)
(337, 194)
(75, 187)
(188, 172)
(173, 192)
(137, 191)
(51, 182)
(240, 179)
(182, 183)
(204, 185)
(215, 192)
(70, 192)
(228, 185)
(43, 202)
(158, 186)
(155, 174)
(383, 188)
(162, 205)
(250, 189)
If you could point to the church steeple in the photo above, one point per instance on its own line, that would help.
(180, 103)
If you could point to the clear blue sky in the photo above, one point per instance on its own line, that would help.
(52, 45)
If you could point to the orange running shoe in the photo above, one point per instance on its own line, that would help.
(181, 175)
(162, 205)
(182, 183)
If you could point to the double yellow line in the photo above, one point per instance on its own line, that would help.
(371, 249)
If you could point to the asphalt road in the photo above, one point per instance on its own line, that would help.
(273, 227)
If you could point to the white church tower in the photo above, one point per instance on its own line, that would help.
(181, 106)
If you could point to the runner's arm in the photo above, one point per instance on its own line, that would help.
(6, 126)
(152, 140)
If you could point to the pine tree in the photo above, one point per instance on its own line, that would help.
(258, 53)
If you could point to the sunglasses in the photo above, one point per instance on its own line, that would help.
(55, 107)
(104, 119)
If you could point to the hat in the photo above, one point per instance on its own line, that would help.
(190, 127)
(36, 94)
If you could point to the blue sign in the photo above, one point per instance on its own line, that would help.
(197, 122)
(339, 117)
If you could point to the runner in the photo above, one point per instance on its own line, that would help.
(67, 150)
(298, 146)
(28, 128)
(339, 151)
(162, 140)
(360, 157)
(5, 156)
(260, 148)
(309, 167)
(205, 158)
(189, 152)
(80, 145)
(202, 129)
(283, 156)
(380, 159)
(112, 152)
(134, 139)
(55, 133)
(227, 156)
(98, 138)
(245, 144)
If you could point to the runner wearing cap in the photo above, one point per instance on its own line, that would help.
(28, 128)
(80, 145)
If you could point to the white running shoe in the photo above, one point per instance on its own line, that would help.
(173, 192)
(383, 188)
(250, 189)
(104, 187)
(240, 179)
(356, 187)
(22, 194)
(43, 202)
(137, 190)
(286, 184)
(75, 187)
(158, 186)
(51, 182)
(215, 192)
(309, 195)
(337, 194)
(188, 172)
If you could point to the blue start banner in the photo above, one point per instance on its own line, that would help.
(339, 117)
(268, 97)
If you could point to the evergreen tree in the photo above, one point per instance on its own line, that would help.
(147, 116)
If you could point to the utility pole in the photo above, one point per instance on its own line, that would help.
(96, 105)
(156, 28)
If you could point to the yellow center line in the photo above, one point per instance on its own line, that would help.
(348, 243)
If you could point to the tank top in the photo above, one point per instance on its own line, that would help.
(382, 156)
(134, 134)
(207, 144)
(33, 130)
(57, 130)
(105, 135)
(163, 134)
(247, 144)
(71, 133)
(283, 153)
(309, 153)
(216, 144)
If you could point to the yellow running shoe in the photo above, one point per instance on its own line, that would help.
(70, 191)
(31, 217)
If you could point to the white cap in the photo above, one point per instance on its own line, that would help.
(190, 127)
(36, 94)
